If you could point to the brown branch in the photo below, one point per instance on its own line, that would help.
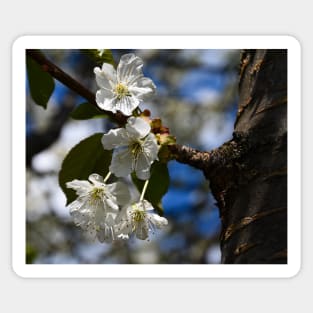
(190, 156)
(70, 82)
(182, 154)
(223, 157)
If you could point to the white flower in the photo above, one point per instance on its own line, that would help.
(139, 219)
(108, 232)
(97, 205)
(135, 148)
(122, 89)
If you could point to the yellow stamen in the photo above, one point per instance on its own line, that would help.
(136, 148)
(96, 194)
(121, 91)
(138, 215)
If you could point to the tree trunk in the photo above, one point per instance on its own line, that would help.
(248, 175)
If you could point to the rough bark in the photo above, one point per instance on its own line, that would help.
(248, 174)
(250, 184)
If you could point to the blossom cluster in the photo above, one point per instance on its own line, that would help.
(105, 210)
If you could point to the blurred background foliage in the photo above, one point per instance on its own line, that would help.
(196, 97)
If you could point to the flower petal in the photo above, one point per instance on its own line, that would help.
(76, 204)
(147, 157)
(120, 191)
(81, 212)
(82, 187)
(110, 219)
(142, 167)
(151, 147)
(100, 214)
(137, 127)
(145, 205)
(106, 100)
(107, 232)
(123, 225)
(123, 229)
(121, 164)
(115, 138)
(157, 220)
(110, 204)
(127, 105)
(142, 87)
(142, 230)
(122, 215)
(105, 77)
(129, 67)
(96, 179)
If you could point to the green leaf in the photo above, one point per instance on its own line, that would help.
(41, 84)
(158, 185)
(86, 111)
(105, 57)
(87, 157)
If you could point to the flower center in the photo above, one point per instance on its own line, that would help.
(96, 194)
(138, 215)
(136, 148)
(121, 91)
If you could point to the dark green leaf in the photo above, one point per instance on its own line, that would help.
(86, 111)
(158, 185)
(85, 158)
(41, 84)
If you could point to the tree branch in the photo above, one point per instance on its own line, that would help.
(222, 159)
(70, 82)
(190, 156)
(182, 154)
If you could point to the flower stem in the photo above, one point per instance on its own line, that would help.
(144, 189)
(107, 177)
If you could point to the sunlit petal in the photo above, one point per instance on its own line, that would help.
(106, 76)
(127, 104)
(123, 89)
(137, 127)
(129, 67)
(115, 138)
(105, 100)
(142, 88)
(80, 186)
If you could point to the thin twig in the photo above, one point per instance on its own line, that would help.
(70, 82)
(182, 154)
